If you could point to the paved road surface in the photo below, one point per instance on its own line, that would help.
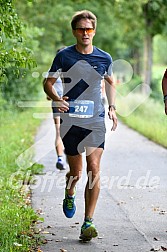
(131, 214)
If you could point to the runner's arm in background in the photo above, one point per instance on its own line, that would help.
(164, 89)
(50, 91)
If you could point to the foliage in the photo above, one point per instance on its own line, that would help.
(131, 25)
(121, 24)
(19, 86)
(18, 83)
(156, 84)
(124, 89)
(141, 21)
(138, 17)
(12, 47)
(160, 49)
(53, 17)
(154, 12)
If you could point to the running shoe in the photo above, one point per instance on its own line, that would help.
(88, 230)
(69, 206)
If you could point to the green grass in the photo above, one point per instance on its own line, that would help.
(16, 215)
(158, 71)
(156, 85)
(149, 119)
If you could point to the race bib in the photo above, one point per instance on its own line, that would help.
(81, 108)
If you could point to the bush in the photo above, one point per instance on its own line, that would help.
(156, 89)
(19, 86)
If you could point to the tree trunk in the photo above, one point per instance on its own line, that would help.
(136, 61)
(147, 68)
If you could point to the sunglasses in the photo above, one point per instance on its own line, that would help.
(83, 30)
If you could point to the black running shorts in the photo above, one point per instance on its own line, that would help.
(77, 138)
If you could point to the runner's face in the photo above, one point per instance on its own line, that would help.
(84, 37)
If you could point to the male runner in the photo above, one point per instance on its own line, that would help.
(82, 67)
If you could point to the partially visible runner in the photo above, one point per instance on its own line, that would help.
(82, 67)
(164, 89)
(58, 86)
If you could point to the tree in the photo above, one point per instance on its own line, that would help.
(154, 12)
(53, 17)
(13, 51)
(125, 28)
(143, 19)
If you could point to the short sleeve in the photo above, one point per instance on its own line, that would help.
(108, 71)
(56, 67)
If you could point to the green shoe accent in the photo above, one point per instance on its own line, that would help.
(69, 206)
(88, 230)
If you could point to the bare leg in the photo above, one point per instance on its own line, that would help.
(58, 142)
(93, 184)
(75, 164)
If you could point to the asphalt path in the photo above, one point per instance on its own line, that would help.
(131, 213)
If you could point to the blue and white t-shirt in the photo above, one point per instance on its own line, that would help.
(82, 75)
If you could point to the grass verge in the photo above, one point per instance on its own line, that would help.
(16, 215)
(149, 119)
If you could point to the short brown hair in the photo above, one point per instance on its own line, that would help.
(84, 14)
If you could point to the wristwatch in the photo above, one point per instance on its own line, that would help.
(112, 106)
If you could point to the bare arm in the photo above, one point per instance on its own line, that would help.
(110, 93)
(164, 89)
(50, 91)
